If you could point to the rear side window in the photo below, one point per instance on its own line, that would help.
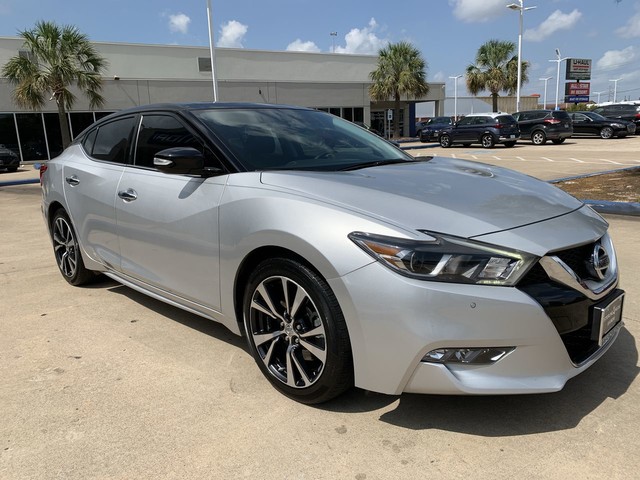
(112, 140)
(561, 114)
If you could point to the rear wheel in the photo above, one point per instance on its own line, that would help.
(296, 331)
(539, 137)
(67, 250)
(558, 141)
(606, 132)
(445, 140)
(487, 141)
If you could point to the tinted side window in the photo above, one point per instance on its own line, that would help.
(112, 140)
(561, 114)
(159, 132)
(466, 121)
(89, 140)
(508, 119)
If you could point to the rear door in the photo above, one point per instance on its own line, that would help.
(583, 124)
(168, 223)
(91, 178)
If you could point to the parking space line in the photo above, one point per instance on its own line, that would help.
(520, 158)
(577, 160)
(610, 161)
(474, 157)
(547, 159)
(497, 158)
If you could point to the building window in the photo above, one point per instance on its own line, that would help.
(80, 121)
(54, 134)
(32, 139)
(204, 64)
(8, 136)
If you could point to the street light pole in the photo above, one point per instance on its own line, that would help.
(212, 52)
(333, 41)
(598, 93)
(559, 60)
(521, 8)
(455, 97)
(615, 88)
(545, 79)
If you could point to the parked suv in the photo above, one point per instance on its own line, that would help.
(542, 125)
(430, 132)
(486, 129)
(621, 111)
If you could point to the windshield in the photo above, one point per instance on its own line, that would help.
(292, 139)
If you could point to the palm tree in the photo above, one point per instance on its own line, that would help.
(400, 71)
(496, 69)
(58, 58)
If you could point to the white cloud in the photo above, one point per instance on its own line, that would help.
(472, 11)
(232, 34)
(631, 29)
(613, 59)
(439, 77)
(363, 41)
(554, 22)
(299, 46)
(179, 23)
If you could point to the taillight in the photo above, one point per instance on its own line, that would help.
(43, 168)
(499, 125)
(638, 115)
(552, 121)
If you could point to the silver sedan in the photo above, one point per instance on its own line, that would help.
(343, 260)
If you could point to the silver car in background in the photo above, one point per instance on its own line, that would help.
(342, 259)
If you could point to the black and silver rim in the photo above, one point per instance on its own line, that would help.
(65, 247)
(444, 141)
(487, 141)
(606, 132)
(287, 331)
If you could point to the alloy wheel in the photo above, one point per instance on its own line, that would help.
(65, 247)
(606, 132)
(288, 332)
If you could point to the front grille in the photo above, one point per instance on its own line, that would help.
(568, 309)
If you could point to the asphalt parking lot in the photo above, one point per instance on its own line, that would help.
(103, 382)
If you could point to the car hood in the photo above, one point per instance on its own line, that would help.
(441, 195)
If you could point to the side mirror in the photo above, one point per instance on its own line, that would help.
(179, 160)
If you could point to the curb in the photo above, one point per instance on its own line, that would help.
(19, 182)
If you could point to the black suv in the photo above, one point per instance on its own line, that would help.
(621, 111)
(487, 129)
(542, 125)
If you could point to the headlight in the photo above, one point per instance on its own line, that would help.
(447, 259)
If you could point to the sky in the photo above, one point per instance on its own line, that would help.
(447, 32)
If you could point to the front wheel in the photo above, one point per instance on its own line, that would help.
(445, 141)
(487, 141)
(296, 331)
(606, 132)
(67, 250)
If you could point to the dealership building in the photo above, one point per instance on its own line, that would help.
(139, 74)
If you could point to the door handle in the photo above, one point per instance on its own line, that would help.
(128, 195)
(72, 180)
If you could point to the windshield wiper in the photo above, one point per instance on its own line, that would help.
(378, 163)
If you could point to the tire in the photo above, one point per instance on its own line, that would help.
(487, 141)
(606, 132)
(558, 141)
(538, 137)
(67, 250)
(12, 169)
(445, 141)
(296, 331)
(509, 144)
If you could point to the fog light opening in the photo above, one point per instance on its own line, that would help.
(470, 356)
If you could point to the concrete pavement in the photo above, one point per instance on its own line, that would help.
(103, 382)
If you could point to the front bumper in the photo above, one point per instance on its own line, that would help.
(394, 329)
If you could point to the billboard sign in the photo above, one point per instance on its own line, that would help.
(578, 69)
(576, 98)
(581, 89)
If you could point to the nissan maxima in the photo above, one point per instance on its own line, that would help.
(342, 259)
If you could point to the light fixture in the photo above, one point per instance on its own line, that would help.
(521, 8)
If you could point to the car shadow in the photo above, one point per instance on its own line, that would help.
(507, 415)
(490, 416)
(208, 327)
